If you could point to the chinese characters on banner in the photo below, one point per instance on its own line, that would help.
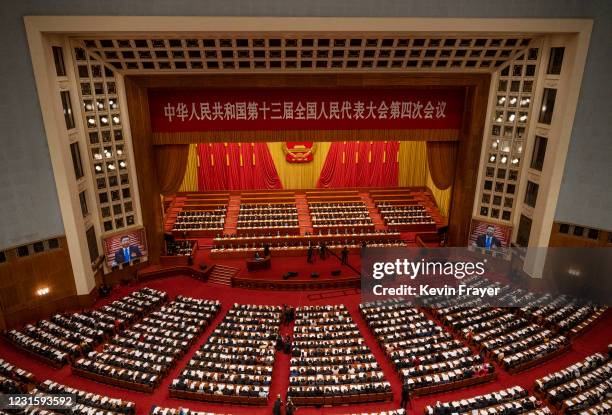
(300, 108)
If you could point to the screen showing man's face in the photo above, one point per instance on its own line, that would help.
(490, 230)
(125, 242)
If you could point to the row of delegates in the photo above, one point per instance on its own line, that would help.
(411, 220)
(580, 386)
(254, 223)
(275, 214)
(343, 224)
(565, 314)
(158, 410)
(14, 380)
(514, 400)
(335, 217)
(268, 207)
(335, 205)
(330, 357)
(237, 359)
(20, 376)
(200, 219)
(354, 231)
(359, 207)
(400, 411)
(387, 208)
(66, 336)
(219, 211)
(341, 219)
(88, 402)
(511, 340)
(150, 347)
(180, 248)
(199, 225)
(423, 353)
(10, 386)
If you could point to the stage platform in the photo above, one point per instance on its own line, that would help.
(232, 245)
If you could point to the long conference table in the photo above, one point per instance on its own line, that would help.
(287, 251)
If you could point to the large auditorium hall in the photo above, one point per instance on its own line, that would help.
(345, 208)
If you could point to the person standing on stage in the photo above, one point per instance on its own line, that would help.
(266, 250)
(276, 409)
(345, 254)
(309, 254)
(290, 407)
(405, 396)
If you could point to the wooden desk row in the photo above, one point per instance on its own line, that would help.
(115, 381)
(209, 397)
(316, 239)
(208, 201)
(334, 198)
(445, 387)
(272, 199)
(196, 233)
(396, 201)
(39, 357)
(314, 193)
(341, 400)
(274, 252)
(343, 227)
(208, 207)
(333, 283)
(531, 363)
(413, 227)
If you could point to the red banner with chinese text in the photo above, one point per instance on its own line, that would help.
(175, 110)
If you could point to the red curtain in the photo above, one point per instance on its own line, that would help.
(236, 166)
(360, 164)
(441, 156)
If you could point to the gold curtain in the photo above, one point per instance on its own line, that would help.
(412, 163)
(171, 163)
(443, 197)
(441, 158)
(190, 181)
(299, 175)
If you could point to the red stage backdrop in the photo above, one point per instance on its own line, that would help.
(236, 166)
(361, 164)
(174, 110)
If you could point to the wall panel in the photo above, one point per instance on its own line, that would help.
(20, 277)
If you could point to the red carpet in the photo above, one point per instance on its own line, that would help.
(594, 340)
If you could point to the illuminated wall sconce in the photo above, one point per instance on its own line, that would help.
(42, 291)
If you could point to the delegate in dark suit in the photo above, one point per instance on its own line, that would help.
(488, 240)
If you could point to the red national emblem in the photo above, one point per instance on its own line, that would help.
(299, 151)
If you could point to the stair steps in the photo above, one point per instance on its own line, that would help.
(304, 220)
(231, 218)
(222, 274)
(379, 223)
